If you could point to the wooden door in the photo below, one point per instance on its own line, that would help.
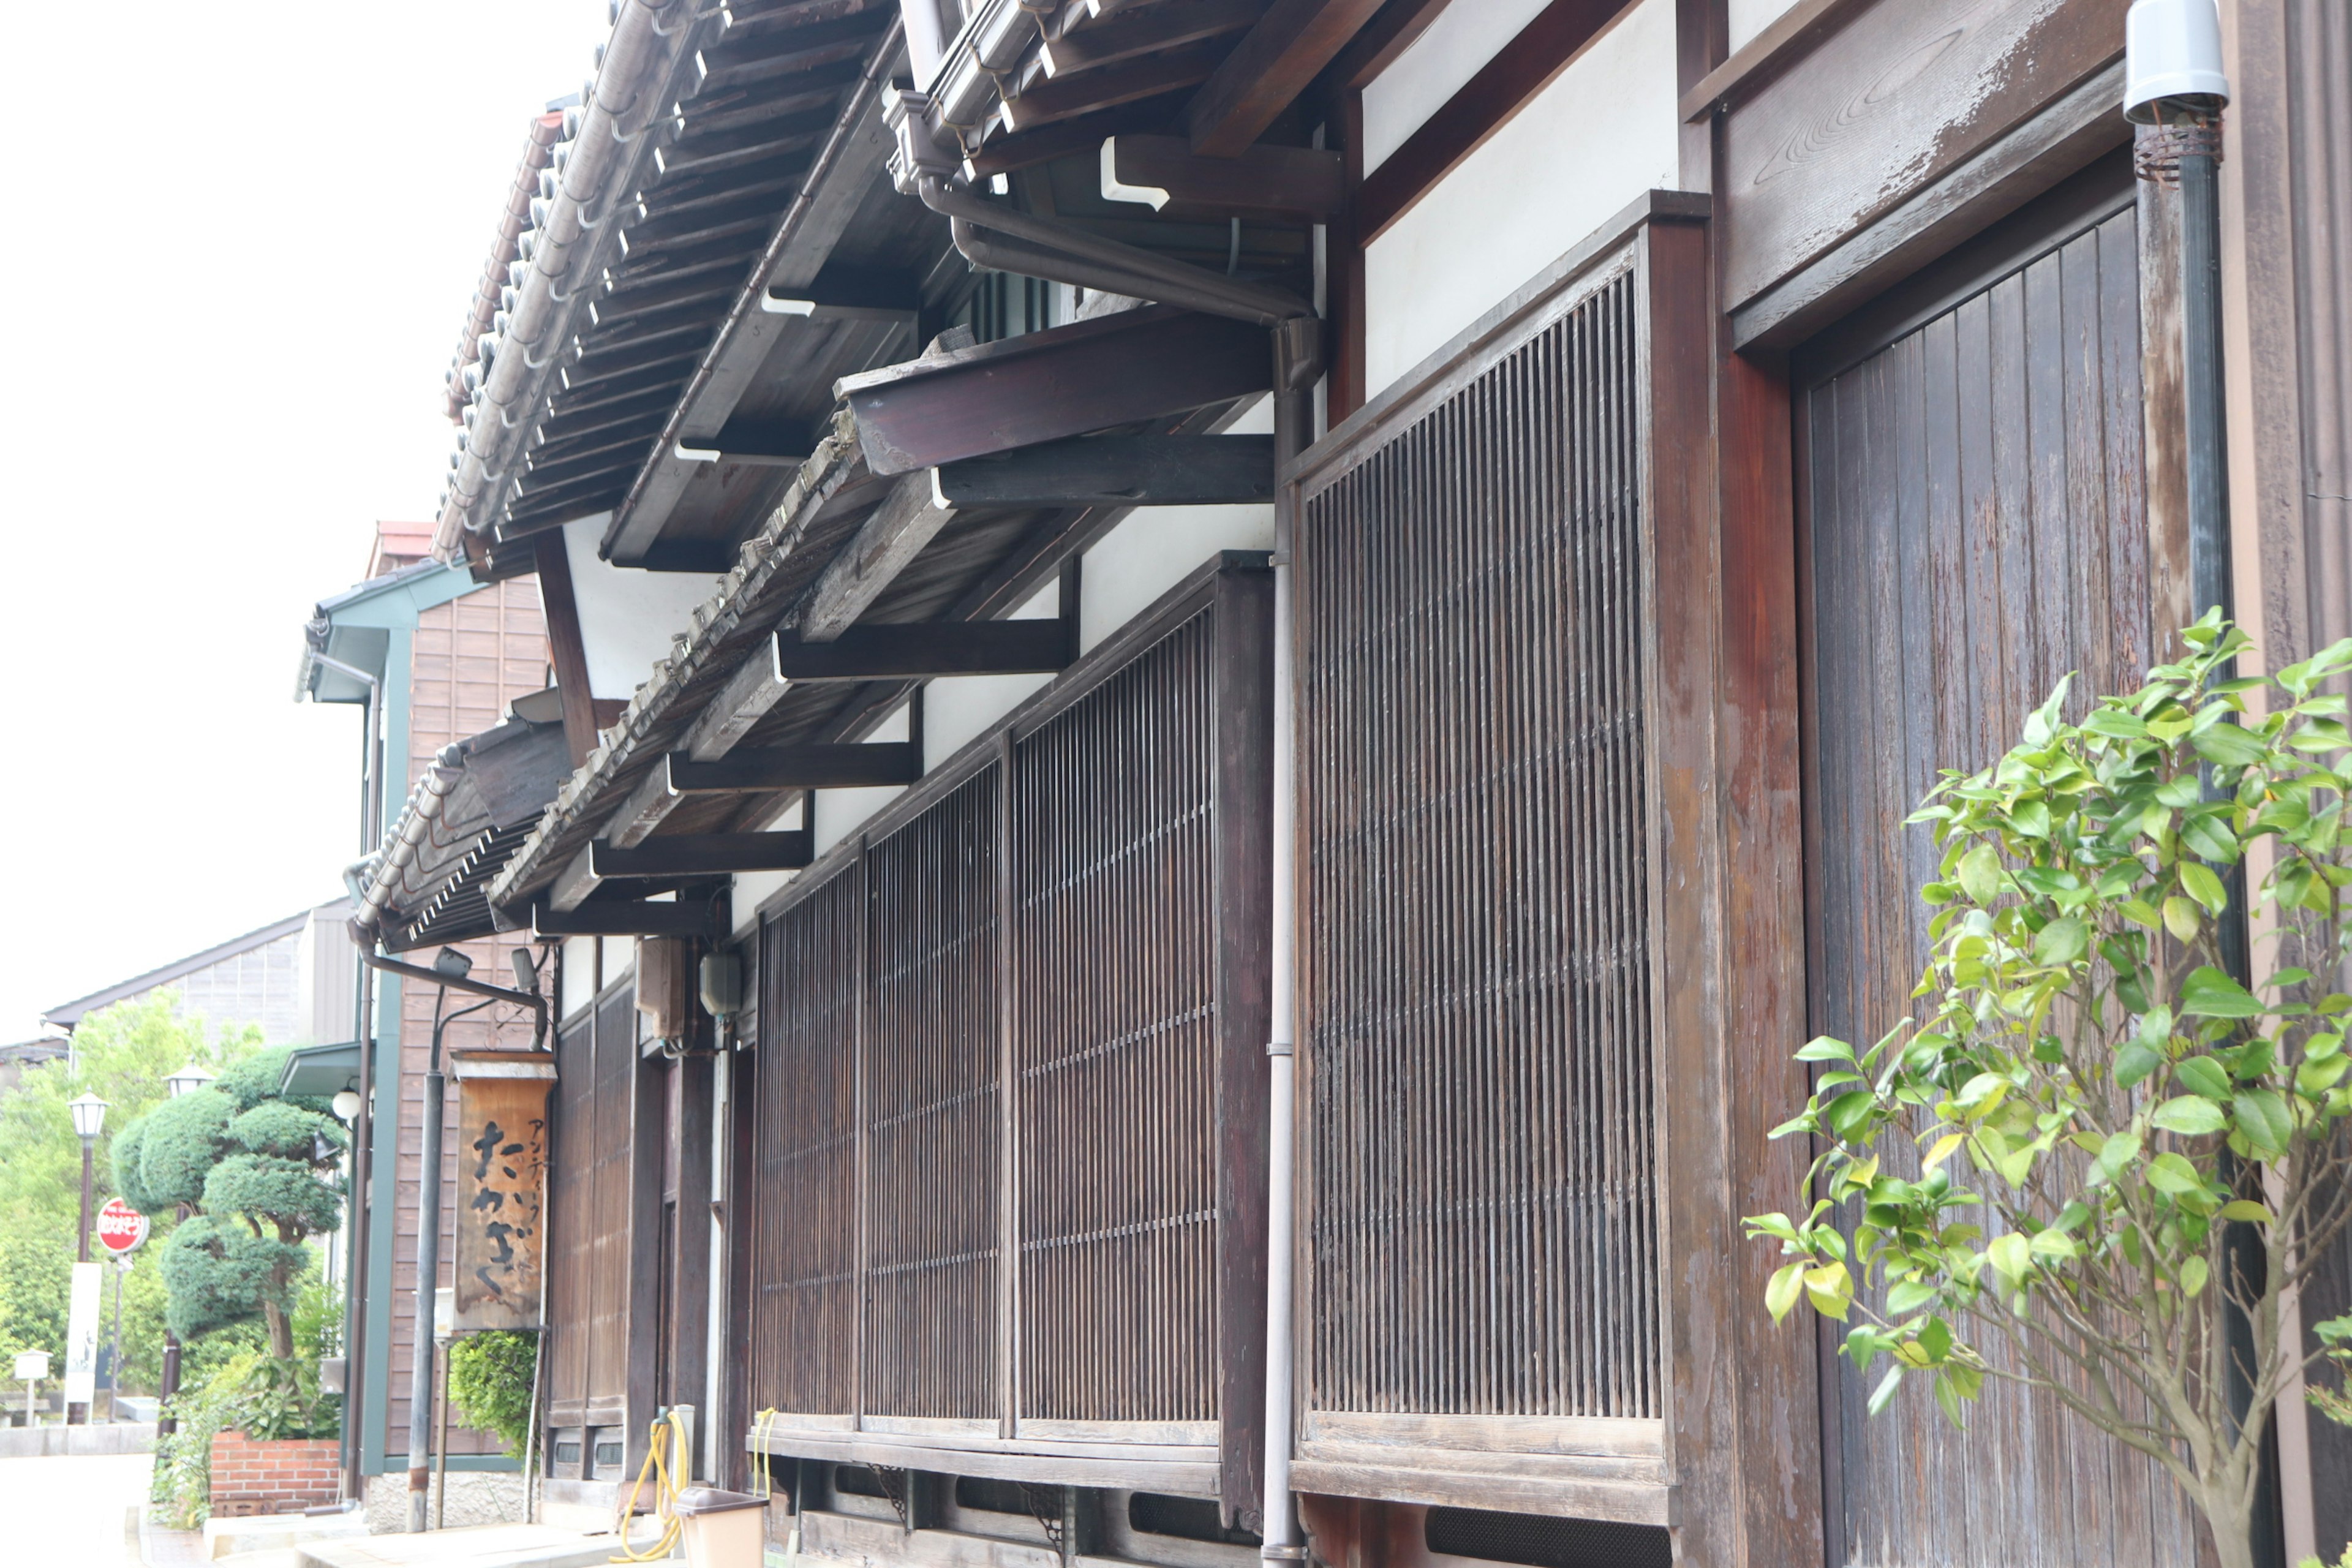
(1971, 474)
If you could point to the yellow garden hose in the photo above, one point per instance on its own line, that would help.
(666, 1437)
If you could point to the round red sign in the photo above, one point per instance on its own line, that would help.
(120, 1228)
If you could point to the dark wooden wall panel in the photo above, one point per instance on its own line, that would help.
(1476, 955)
(803, 1274)
(610, 1199)
(1977, 530)
(571, 1219)
(933, 1060)
(1115, 1043)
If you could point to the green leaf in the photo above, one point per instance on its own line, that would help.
(2120, 722)
(1980, 872)
(2062, 941)
(2210, 837)
(1850, 1112)
(2117, 1152)
(2193, 1275)
(2134, 1062)
(2182, 918)
(1885, 1391)
(2011, 1256)
(1787, 1284)
(2263, 1117)
(2190, 1115)
(2203, 1075)
(2171, 1174)
(1830, 1288)
(2204, 887)
(1821, 1049)
(2246, 1209)
(1907, 1296)
(2210, 994)
(2228, 745)
(2138, 910)
(2316, 1077)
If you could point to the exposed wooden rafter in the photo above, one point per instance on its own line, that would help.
(1120, 369)
(1269, 69)
(909, 517)
(1116, 470)
(928, 649)
(764, 769)
(695, 854)
(619, 918)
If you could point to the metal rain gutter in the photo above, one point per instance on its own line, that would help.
(652, 41)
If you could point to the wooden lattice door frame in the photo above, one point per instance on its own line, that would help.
(1652, 1469)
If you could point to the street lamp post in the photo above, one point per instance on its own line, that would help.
(188, 1079)
(88, 1114)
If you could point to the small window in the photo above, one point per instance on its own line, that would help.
(608, 1456)
(1545, 1542)
(857, 1481)
(988, 1496)
(567, 1451)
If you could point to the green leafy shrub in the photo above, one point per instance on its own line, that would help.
(490, 1379)
(263, 1169)
(246, 1390)
(2125, 1104)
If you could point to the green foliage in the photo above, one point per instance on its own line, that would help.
(263, 1170)
(490, 1384)
(219, 1273)
(2335, 1403)
(121, 1054)
(2121, 1102)
(184, 1461)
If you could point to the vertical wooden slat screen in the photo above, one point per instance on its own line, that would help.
(572, 1231)
(805, 1251)
(1115, 1042)
(1475, 922)
(933, 1057)
(1978, 529)
(612, 1212)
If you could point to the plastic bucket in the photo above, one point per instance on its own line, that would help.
(722, 1529)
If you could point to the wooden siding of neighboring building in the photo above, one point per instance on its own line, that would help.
(1972, 468)
(471, 657)
(1005, 1172)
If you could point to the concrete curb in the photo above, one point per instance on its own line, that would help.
(77, 1442)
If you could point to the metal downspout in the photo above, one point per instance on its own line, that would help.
(1038, 248)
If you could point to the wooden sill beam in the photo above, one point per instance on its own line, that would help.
(1164, 173)
(1116, 470)
(761, 769)
(927, 650)
(695, 854)
(623, 919)
(1269, 69)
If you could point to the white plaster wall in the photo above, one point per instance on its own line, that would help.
(1749, 18)
(1597, 137)
(577, 975)
(957, 711)
(627, 617)
(1157, 547)
(1419, 81)
(838, 812)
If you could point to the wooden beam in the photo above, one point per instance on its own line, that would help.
(1396, 28)
(760, 769)
(565, 648)
(1128, 367)
(1270, 68)
(1066, 138)
(1164, 173)
(909, 517)
(625, 919)
(1116, 470)
(693, 853)
(1145, 33)
(742, 702)
(927, 650)
(1503, 86)
(1066, 98)
(848, 294)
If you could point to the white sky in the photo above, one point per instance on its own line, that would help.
(240, 244)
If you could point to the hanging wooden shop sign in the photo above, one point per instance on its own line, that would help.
(501, 1196)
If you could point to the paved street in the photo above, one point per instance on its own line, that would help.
(70, 1511)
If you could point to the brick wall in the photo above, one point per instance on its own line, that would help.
(283, 1477)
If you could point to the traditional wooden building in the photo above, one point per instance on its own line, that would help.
(1287, 642)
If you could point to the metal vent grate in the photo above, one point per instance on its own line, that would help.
(933, 1142)
(805, 1251)
(1545, 1542)
(1476, 928)
(1115, 1036)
